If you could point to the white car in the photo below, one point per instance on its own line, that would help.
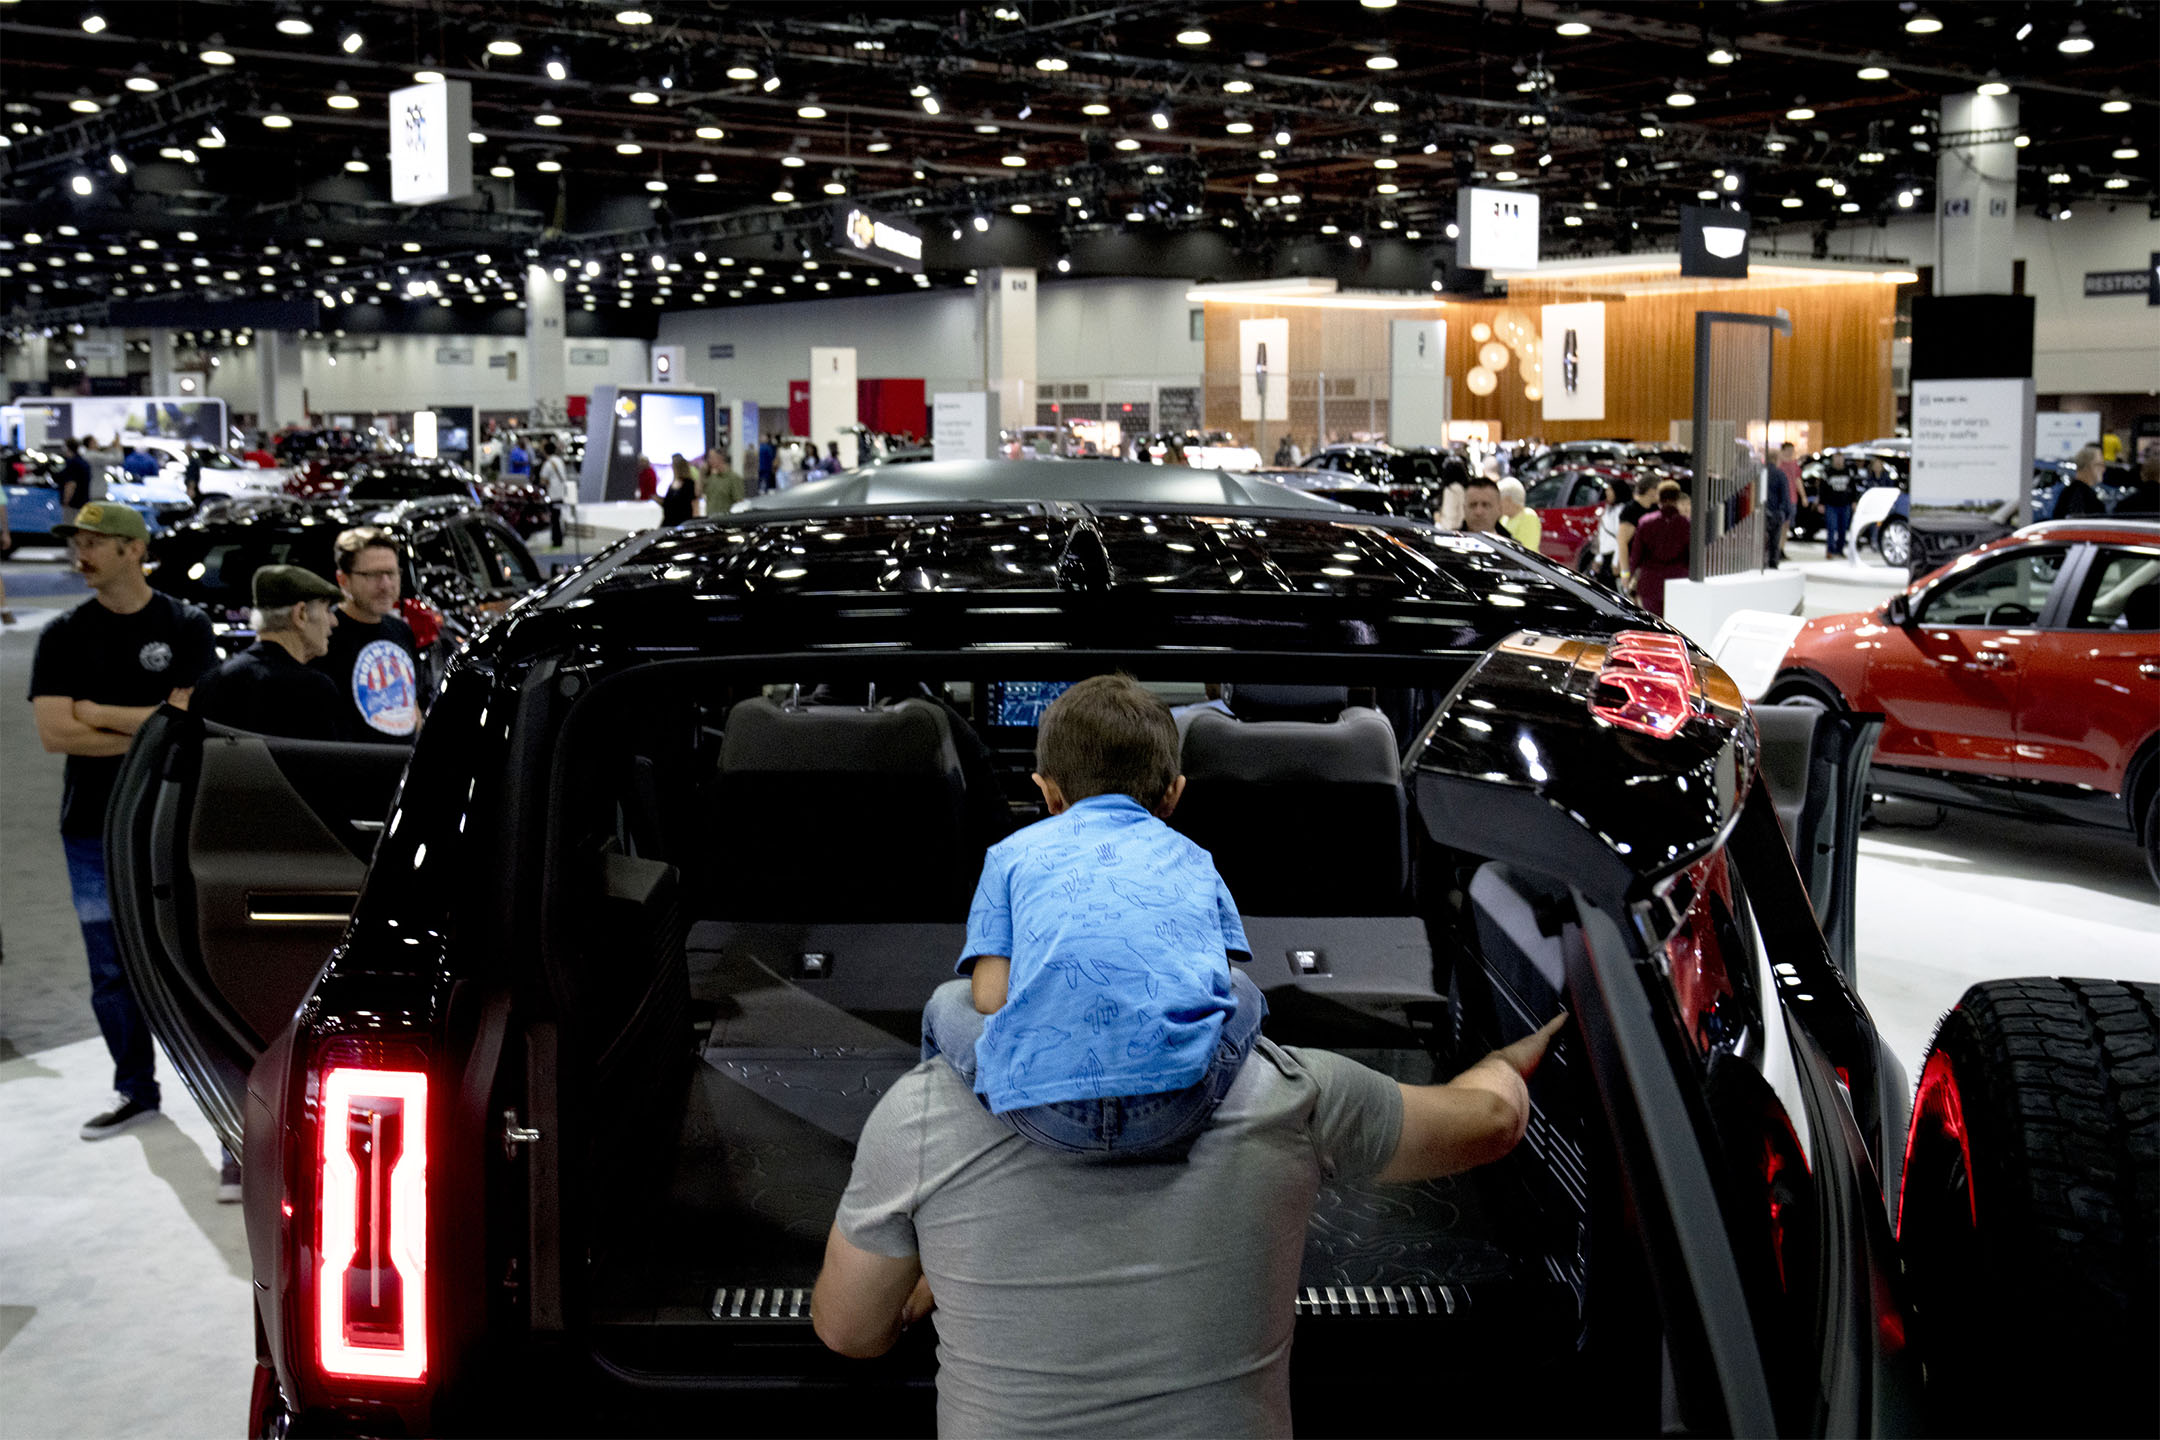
(223, 473)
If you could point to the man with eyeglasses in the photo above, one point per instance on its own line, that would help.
(374, 657)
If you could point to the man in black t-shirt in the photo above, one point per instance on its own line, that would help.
(75, 481)
(1640, 502)
(268, 687)
(101, 669)
(374, 659)
(1837, 489)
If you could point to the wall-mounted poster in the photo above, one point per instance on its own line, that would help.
(1574, 356)
(1264, 369)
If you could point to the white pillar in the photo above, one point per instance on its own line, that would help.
(281, 398)
(544, 352)
(1976, 195)
(36, 361)
(162, 379)
(1009, 343)
(832, 400)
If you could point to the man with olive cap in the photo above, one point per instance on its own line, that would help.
(268, 687)
(101, 669)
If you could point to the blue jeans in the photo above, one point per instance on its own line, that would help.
(1836, 520)
(127, 1033)
(1122, 1127)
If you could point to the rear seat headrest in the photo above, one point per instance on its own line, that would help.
(912, 737)
(1286, 702)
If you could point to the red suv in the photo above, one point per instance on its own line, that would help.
(2023, 678)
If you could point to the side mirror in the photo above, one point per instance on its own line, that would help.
(1899, 611)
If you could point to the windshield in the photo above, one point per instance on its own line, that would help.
(216, 569)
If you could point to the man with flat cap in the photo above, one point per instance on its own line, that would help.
(101, 669)
(268, 687)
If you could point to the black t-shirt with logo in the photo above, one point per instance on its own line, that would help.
(93, 653)
(376, 669)
(264, 689)
(1836, 486)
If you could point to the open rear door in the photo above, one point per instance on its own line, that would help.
(233, 861)
(1816, 762)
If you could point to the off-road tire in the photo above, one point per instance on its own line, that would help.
(2033, 1249)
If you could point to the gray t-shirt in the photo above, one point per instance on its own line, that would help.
(1076, 1297)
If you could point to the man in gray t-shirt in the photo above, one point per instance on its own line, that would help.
(1083, 1298)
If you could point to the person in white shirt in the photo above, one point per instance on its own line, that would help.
(556, 479)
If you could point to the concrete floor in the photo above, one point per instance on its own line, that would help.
(124, 1304)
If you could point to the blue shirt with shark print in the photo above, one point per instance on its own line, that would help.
(1117, 928)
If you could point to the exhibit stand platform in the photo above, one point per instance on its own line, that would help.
(610, 520)
(1698, 609)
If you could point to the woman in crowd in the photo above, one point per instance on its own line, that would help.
(680, 501)
(1605, 566)
(1660, 548)
(1517, 518)
(1454, 475)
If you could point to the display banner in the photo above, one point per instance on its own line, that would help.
(1573, 356)
(2060, 434)
(1264, 369)
(877, 238)
(1714, 242)
(1417, 382)
(1496, 229)
(431, 142)
(960, 425)
(1972, 443)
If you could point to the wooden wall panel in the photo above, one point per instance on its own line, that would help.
(1834, 372)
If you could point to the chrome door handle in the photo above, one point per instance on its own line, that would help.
(2150, 669)
(1992, 660)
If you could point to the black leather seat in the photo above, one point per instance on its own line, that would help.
(1298, 795)
(844, 813)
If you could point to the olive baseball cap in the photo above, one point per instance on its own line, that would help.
(102, 517)
(277, 586)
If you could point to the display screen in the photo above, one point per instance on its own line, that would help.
(672, 425)
(1020, 704)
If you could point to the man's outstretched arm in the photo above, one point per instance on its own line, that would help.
(1472, 1120)
(863, 1301)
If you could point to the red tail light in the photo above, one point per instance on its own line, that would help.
(1656, 681)
(426, 621)
(371, 1293)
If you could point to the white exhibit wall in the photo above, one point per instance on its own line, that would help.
(1090, 330)
(2104, 345)
(403, 372)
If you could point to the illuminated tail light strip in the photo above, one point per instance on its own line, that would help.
(371, 1292)
(1656, 679)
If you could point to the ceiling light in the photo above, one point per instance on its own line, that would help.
(505, 48)
(1239, 127)
(1193, 35)
(810, 112)
(2075, 41)
(557, 67)
(711, 132)
(427, 77)
(1922, 23)
(1873, 72)
(277, 120)
(1706, 195)
(1506, 176)
(633, 17)
(342, 98)
(629, 147)
(1387, 188)
(792, 162)
(1012, 161)
(1159, 118)
(2115, 105)
(783, 197)
(2022, 141)
(1052, 64)
(1800, 112)
(644, 97)
(1679, 99)
(930, 103)
(1098, 108)
(546, 117)
(1266, 177)
(1791, 202)
(501, 172)
(1021, 207)
(185, 237)
(80, 184)
(476, 137)
(1385, 107)
(1128, 143)
(1380, 62)
(92, 23)
(1571, 220)
(741, 72)
(1331, 230)
(1993, 87)
(357, 165)
(294, 24)
(835, 187)
(1571, 28)
(352, 42)
(770, 83)
(215, 56)
(2126, 151)
(2115, 182)
(1905, 199)
(119, 163)
(981, 223)
(140, 82)
(1849, 208)
(1237, 87)
(1385, 162)
(1719, 55)
(83, 105)
(1871, 157)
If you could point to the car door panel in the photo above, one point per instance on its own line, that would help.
(2092, 690)
(233, 860)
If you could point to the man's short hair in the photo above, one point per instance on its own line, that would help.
(2090, 455)
(1108, 736)
(1647, 484)
(1481, 482)
(1669, 492)
(362, 537)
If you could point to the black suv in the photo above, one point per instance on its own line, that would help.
(553, 1139)
(1411, 477)
(461, 564)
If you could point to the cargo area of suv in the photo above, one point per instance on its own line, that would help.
(734, 1008)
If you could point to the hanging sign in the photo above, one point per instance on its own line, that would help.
(874, 238)
(431, 142)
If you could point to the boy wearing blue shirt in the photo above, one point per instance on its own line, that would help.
(1101, 1014)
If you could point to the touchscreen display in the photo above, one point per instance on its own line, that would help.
(1020, 703)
